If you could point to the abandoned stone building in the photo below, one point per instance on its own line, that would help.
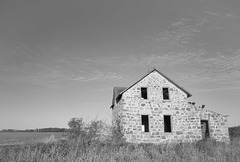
(156, 110)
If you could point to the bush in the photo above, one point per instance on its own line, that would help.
(234, 132)
(85, 134)
(76, 128)
(117, 136)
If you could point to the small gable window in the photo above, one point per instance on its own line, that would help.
(167, 124)
(145, 123)
(144, 92)
(165, 93)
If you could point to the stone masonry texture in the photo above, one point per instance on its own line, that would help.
(185, 117)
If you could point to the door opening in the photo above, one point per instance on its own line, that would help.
(205, 129)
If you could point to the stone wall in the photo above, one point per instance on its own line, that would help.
(218, 125)
(117, 113)
(185, 118)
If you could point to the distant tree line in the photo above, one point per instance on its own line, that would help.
(234, 132)
(37, 130)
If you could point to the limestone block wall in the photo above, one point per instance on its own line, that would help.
(117, 113)
(185, 118)
(218, 126)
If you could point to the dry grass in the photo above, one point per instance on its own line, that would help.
(75, 150)
(13, 138)
(85, 143)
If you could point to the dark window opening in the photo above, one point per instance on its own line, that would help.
(167, 123)
(205, 129)
(145, 123)
(144, 93)
(165, 94)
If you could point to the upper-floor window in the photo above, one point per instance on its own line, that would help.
(165, 93)
(144, 92)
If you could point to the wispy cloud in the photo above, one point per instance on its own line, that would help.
(212, 13)
(222, 15)
(179, 36)
(230, 16)
(173, 51)
(217, 70)
(216, 74)
(97, 76)
(23, 65)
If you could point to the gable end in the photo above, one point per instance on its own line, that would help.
(117, 98)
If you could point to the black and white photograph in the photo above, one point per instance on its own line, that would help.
(120, 80)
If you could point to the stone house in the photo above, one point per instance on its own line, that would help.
(155, 110)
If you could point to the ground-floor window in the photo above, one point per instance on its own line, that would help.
(145, 123)
(167, 124)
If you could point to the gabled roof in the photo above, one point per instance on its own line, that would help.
(124, 89)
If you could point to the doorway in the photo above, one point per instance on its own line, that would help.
(205, 129)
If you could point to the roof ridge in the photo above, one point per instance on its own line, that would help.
(154, 69)
(149, 72)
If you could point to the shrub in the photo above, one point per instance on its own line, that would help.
(117, 136)
(234, 132)
(76, 128)
(85, 134)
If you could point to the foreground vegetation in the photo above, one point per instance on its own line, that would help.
(90, 142)
(234, 132)
(64, 150)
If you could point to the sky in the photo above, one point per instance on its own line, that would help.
(61, 59)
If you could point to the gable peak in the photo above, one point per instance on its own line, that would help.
(155, 70)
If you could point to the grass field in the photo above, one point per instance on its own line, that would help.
(80, 150)
(84, 143)
(13, 138)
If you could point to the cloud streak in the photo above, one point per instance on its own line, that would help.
(222, 15)
(50, 70)
(97, 76)
(173, 51)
